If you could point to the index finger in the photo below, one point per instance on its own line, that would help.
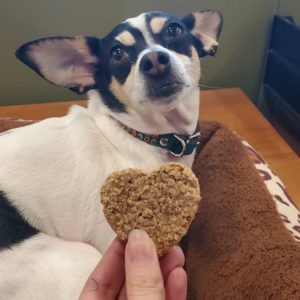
(106, 280)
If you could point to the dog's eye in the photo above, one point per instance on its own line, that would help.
(174, 30)
(118, 53)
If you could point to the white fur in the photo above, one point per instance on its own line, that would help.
(155, 116)
(52, 171)
(139, 22)
(46, 267)
(176, 114)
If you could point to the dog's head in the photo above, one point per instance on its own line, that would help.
(150, 62)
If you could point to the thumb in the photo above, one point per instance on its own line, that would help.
(143, 275)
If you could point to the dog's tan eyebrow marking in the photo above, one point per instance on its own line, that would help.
(157, 24)
(126, 38)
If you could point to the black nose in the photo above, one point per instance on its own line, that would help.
(155, 63)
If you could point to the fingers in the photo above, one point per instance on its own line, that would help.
(176, 286)
(143, 276)
(106, 280)
(174, 258)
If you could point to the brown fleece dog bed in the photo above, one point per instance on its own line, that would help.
(237, 247)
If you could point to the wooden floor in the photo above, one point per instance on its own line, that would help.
(229, 106)
(232, 107)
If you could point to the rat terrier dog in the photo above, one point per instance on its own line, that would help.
(142, 81)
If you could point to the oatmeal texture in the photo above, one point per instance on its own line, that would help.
(163, 203)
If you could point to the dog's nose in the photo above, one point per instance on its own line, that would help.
(155, 63)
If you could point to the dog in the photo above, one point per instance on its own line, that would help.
(142, 82)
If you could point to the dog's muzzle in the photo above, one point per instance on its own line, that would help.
(161, 81)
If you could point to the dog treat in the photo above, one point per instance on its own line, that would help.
(163, 203)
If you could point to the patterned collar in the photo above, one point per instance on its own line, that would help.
(176, 144)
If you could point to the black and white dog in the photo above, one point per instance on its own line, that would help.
(142, 81)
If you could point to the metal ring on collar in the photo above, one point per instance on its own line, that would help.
(183, 144)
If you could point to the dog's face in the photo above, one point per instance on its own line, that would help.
(150, 61)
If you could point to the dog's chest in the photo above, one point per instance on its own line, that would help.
(53, 172)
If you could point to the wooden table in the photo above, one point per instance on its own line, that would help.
(229, 106)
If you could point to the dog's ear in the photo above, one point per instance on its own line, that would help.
(64, 61)
(205, 26)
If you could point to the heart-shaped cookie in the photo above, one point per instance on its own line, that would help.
(163, 203)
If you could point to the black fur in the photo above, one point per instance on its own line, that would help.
(22, 54)
(189, 21)
(13, 228)
(181, 45)
(121, 70)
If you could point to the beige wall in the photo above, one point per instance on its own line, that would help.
(238, 62)
(290, 8)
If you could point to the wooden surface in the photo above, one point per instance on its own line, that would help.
(229, 106)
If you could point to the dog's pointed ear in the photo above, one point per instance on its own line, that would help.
(205, 26)
(64, 61)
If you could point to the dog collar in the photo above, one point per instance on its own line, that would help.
(176, 144)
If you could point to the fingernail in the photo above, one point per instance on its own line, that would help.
(139, 247)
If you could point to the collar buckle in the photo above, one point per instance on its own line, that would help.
(184, 144)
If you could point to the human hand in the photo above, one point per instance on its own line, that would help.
(135, 273)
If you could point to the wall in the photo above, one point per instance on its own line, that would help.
(290, 8)
(238, 62)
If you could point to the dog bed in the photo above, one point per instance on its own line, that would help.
(237, 247)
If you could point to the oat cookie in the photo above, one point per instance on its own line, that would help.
(163, 203)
